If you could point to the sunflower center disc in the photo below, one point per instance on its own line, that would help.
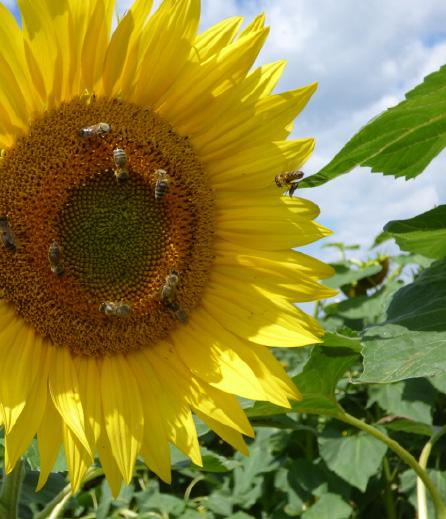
(116, 241)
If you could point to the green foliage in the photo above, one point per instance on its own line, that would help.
(424, 234)
(400, 142)
(412, 340)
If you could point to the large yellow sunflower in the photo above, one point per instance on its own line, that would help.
(146, 260)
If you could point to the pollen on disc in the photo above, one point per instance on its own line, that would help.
(118, 240)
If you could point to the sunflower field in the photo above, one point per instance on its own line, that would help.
(166, 348)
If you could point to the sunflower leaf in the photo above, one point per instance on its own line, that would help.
(329, 505)
(424, 234)
(396, 423)
(411, 399)
(411, 343)
(401, 142)
(354, 457)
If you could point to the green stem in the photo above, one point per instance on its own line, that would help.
(424, 456)
(440, 508)
(390, 501)
(10, 491)
(54, 508)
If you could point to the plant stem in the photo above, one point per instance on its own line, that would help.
(390, 502)
(10, 491)
(440, 508)
(424, 456)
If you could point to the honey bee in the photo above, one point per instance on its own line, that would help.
(289, 179)
(7, 236)
(95, 130)
(162, 183)
(120, 158)
(169, 296)
(115, 309)
(55, 259)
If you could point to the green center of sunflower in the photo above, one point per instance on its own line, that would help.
(107, 229)
(112, 235)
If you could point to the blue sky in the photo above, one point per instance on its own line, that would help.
(365, 56)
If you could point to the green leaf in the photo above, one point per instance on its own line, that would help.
(328, 505)
(213, 462)
(368, 308)
(315, 479)
(405, 425)
(381, 238)
(355, 457)
(421, 305)
(164, 503)
(424, 234)
(439, 383)
(346, 275)
(413, 340)
(410, 399)
(400, 142)
(392, 353)
(51, 489)
(342, 338)
(319, 378)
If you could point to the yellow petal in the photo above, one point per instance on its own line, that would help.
(95, 45)
(255, 168)
(49, 436)
(272, 376)
(123, 413)
(259, 317)
(64, 389)
(267, 234)
(187, 102)
(233, 206)
(294, 289)
(19, 370)
(221, 406)
(89, 391)
(251, 125)
(255, 25)
(154, 448)
(78, 459)
(207, 350)
(171, 31)
(226, 433)
(261, 81)
(214, 39)
(290, 262)
(111, 470)
(121, 44)
(11, 45)
(269, 381)
(21, 435)
(179, 424)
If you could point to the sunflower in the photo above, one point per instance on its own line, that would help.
(146, 261)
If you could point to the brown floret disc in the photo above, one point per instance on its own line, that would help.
(118, 242)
